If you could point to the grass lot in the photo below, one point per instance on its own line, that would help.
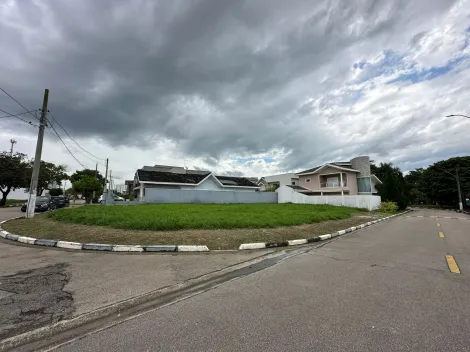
(14, 201)
(43, 227)
(164, 217)
(217, 226)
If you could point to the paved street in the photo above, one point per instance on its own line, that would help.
(34, 279)
(385, 288)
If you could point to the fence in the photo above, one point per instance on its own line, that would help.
(287, 194)
(158, 195)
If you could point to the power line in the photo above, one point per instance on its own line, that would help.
(74, 139)
(19, 118)
(21, 113)
(75, 149)
(4, 91)
(68, 148)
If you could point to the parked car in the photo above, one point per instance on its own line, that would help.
(43, 203)
(61, 201)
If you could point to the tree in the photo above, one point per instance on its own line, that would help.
(49, 173)
(87, 172)
(13, 173)
(393, 187)
(86, 185)
(414, 181)
(54, 192)
(439, 184)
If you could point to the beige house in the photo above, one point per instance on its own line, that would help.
(339, 178)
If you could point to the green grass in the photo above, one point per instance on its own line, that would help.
(163, 217)
(15, 201)
(42, 227)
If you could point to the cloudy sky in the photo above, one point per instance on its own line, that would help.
(239, 87)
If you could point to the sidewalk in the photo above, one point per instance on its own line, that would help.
(34, 280)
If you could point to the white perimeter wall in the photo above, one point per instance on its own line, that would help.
(287, 194)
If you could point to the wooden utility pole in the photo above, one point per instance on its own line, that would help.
(37, 158)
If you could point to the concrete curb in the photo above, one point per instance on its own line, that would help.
(260, 245)
(174, 248)
(98, 246)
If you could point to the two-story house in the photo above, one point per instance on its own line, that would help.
(339, 178)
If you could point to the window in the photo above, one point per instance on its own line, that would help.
(307, 180)
(364, 184)
(293, 183)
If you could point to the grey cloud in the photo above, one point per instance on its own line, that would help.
(215, 77)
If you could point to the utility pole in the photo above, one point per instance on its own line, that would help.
(12, 141)
(96, 177)
(458, 189)
(105, 189)
(37, 159)
(111, 181)
(458, 184)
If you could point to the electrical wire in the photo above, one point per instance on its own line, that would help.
(74, 148)
(19, 118)
(4, 91)
(67, 148)
(94, 156)
(14, 115)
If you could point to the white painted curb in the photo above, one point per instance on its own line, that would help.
(261, 245)
(4, 233)
(124, 248)
(69, 245)
(192, 249)
(252, 245)
(297, 242)
(28, 240)
(325, 237)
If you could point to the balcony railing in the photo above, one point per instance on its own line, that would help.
(332, 184)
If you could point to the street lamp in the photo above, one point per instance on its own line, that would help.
(468, 117)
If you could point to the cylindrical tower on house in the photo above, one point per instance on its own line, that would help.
(362, 164)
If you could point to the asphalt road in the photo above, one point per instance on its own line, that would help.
(385, 288)
(41, 285)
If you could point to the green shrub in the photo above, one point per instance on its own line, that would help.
(131, 197)
(388, 207)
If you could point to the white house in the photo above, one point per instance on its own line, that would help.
(174, 177)
(289, 179)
